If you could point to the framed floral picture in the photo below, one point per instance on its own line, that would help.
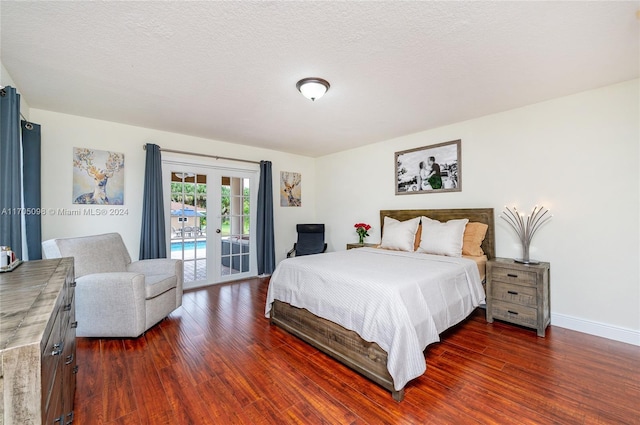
(429, 169)
(98, 177)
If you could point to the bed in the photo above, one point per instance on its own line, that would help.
(367, 331)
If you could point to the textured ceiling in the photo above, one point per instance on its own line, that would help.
(227, 70)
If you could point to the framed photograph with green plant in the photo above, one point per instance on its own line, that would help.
(429, 169)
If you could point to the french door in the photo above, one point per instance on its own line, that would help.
(210, 215)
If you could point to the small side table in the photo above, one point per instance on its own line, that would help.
(519, 293)
(361, 245)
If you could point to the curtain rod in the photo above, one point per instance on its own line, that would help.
(205, 155)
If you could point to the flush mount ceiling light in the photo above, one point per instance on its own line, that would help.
(313, 88)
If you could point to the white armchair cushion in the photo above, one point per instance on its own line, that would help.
(161, 266)
(155, 271)
(158, 284)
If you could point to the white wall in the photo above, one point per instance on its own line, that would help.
(577, 155)
(61, 133)
(6, 80)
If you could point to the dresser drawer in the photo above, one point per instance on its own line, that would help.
(69, 370)
(53, 414)
(69, 330)
(68, 292)
(69, 287)
(516, 294)
(515, 313)
(50, 360)
(519, 277)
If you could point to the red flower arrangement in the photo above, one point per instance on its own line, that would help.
(361, 230)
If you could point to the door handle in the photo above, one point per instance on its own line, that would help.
(218, 230)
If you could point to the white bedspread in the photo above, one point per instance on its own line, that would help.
(400, 300)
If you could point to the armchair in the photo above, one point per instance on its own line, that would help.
(114, 296)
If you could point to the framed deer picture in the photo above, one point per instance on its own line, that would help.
(290, 189)
(98, 177)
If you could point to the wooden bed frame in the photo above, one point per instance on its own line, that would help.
(367, 358)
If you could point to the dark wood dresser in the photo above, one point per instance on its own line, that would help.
(38, 343)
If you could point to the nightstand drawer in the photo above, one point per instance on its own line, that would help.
(519, 277)
(522, 295)
(515, 313)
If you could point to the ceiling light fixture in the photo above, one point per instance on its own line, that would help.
(313, 88)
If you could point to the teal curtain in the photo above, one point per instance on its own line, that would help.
(264, 224)
(10, 179)
(31, 183)
(153, 239)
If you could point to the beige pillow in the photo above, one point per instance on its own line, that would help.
(416, 241)
(399, 235)
(442, 238)
(474, 234)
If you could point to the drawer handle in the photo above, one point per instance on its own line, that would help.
(69, 359)
(57, 349)
(512, 275)
(73, 284)
(74, 325)
(59, 420)
(67, 307)
(70, 416)
(512, 293)
(512, 312)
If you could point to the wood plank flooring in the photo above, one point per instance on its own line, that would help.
(217, 360)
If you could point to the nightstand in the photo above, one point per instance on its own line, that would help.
(518, 293)
(361, 245)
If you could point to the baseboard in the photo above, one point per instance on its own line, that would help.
(615, 333)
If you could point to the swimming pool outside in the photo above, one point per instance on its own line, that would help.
(188, 245)
(194, 256)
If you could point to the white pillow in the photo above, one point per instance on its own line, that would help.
(399, 235)
(442, 238)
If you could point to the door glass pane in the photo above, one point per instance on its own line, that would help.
(235, 207)
(189, 223)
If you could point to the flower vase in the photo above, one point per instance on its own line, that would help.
(361, 239)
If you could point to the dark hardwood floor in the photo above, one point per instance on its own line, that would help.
(217, 360)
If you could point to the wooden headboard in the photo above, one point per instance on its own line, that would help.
(481, 215)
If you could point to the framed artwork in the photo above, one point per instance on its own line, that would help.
(98, 177)
(429, 169)
(290, 189)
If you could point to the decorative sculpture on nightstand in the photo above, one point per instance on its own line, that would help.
(526, 227)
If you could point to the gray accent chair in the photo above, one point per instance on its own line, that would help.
(114, 296)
